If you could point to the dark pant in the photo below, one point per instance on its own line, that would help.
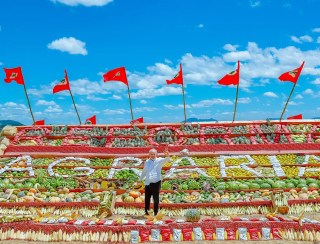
(152, 190)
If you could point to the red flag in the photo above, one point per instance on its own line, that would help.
(39, 122)
(118, 74)
(232, 78)
(14, 74)
(298, 116)
(292, 75)
(136, 121)
(63, 85)
(178, 79)
(91, 121)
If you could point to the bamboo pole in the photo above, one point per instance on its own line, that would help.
(74, 104)
(184, 104)
(25, 91)
(235, 104)
(285, 106)
(130, 102)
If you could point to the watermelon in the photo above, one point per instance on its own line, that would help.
(269, 181)
(290, 185)
(301, 185)
(279, 184)
(243, 186)
(311, 180)
(265, 186)
(233, 185)
(313, 185)
(221, 186)
(254, 186)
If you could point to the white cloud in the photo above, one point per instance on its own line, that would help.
(150, 93)
(87, 3)
(53, 109)
(144, 109)
(69, 45)
(117, 111)
(305, 38)
(270, 94)
(95, 98)
(230, 47)
(316, 30)
(298, 96)
(176, 107)
(200, 26)
(244, 100)
(293, 103)
(45, 103)
(116, 97)
(210, 102)
(316, 81)
(235, 56)
(143, 101)
(254, 4)
(296, 39)
(308, 92)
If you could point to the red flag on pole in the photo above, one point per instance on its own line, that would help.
(91, 121)
(298, 116)
(118, 74)
(136, 121)
(39, 122)
(14, 74)
(292, 75)
(232, 78)
(177, 79)
(63, 85)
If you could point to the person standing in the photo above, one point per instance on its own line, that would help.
(152, 172)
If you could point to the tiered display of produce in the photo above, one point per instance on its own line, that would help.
(59, 188)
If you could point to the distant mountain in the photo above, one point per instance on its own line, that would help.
(200, 120)
(316, 118)
(3, 123)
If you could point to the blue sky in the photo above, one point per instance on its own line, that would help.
(151, 38)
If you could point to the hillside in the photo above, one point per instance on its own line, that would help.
(3, 123)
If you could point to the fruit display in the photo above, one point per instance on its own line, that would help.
(129, 142)
(241, 129)
(95, 131)
(132, 131)
(215, 130)
(216, 140)
(192, 215)
(302, 138)
(190, 129)
(301, 128)
(89, 195)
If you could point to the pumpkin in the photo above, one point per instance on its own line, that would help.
(32, 190)
(28, 199)
(129, 199)
(138, 199)
(134, 194)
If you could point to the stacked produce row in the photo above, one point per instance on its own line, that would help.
(94, 198)
(152, 135)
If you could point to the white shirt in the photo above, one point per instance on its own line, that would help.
(152, 170)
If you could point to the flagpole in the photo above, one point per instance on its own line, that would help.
(184, 104)
(74, 104)
(130, 102)
(235, 104)
(285, 106)
(25, 91)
